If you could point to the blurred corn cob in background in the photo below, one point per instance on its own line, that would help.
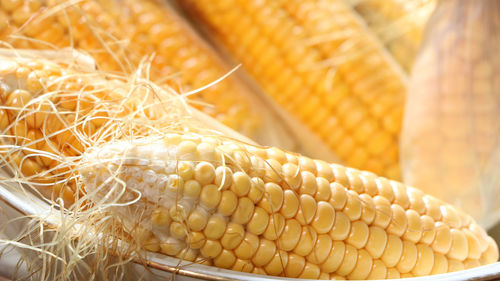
(318, 61)
(264, 210)
(450, 141)
(399, 24)
(118, 34)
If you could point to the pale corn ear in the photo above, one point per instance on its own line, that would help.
(320, 63)
(450, 132)
(308, 220)
(399, 24)
(119, 34)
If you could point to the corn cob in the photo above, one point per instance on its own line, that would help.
(399, 24)
(450, 137)
(318, 61)
(50, 113)
(119, 34)
(267, 211)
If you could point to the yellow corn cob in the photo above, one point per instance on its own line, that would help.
(397, 23)
(450, 138)
(49, 114)
(319, 62)
(267, 211)
(119, 34)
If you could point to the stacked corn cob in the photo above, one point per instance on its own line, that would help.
(451, 121)
(119, 33)
(267, 211)
(397, 23)
(319, 62)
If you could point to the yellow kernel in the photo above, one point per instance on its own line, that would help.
(324, 218)
(323, 192)
(210, 196)
(341, 227)
(192, 188)
(440, 264)
(273, 171)
(196, 239)
(335, 258)
(311, 271)
(204, 173)
(272, 199)
(358, 237)
(258, 224)
(339, 196)
(277, 263)
(160, 217)
(295, 265)
(306, 242)
(256, 190)
(353, 206)
(290, 235)
(211, 249)
(349, 261)
(309, 185)
(264, 253)
(425, 260)
(228, 203)
(275, 226)
(241, 184)
(186, 150)
(290, 204)
(459, 249)
(242, 266)
(408, 257)
(244, 211)
(399, 221)
(185, 170)
(392, 252)
(223, 177)
(307, 209)
(197, 220)
(383, 212)
(292, 175)
(378, 271)
(442, 241)
(247, 247)
(321, 249)
(225, 259)
(178, 230)
(363, 266)
(171, 247)
(377, 241)
(233, 236)
(215, 228)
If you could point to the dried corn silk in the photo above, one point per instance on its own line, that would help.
(125, 35)
(51, 113)
(451, 135)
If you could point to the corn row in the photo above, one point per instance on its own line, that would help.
(267, 211)
(450, 138)
(399, 24)
(320, 63)
(118, 34)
